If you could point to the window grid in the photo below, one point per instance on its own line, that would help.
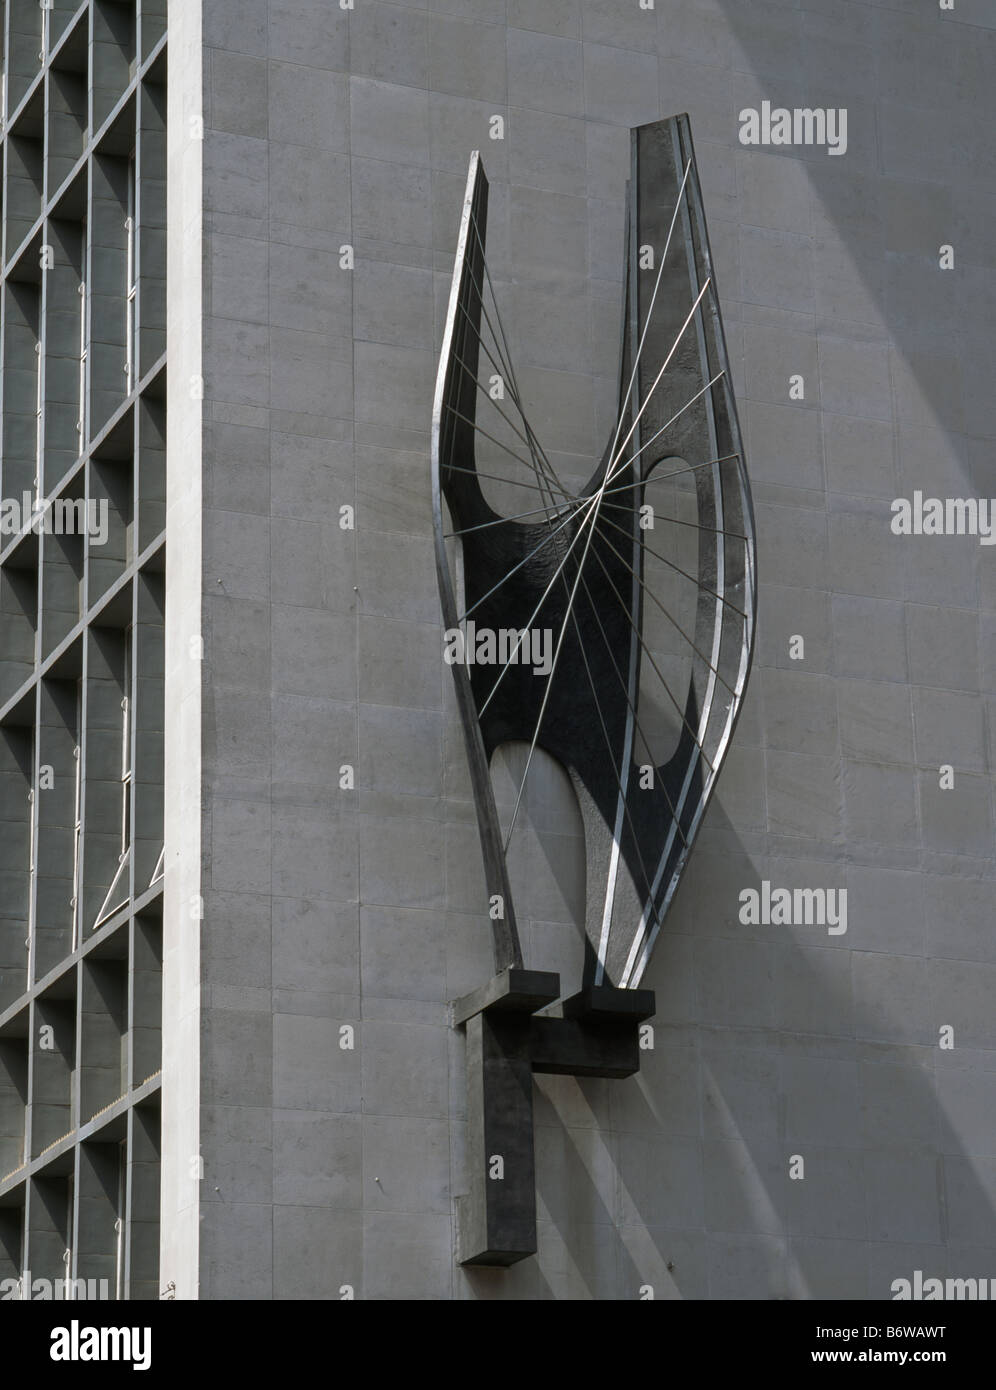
(82, 432)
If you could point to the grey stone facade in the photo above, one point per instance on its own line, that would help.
(313, 1089)
(325, 908)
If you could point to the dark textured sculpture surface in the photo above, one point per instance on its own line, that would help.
(580, 571)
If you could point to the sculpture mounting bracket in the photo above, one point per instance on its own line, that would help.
(507, 1041)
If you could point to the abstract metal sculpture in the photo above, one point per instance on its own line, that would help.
(644, 575)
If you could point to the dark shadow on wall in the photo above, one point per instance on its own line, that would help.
(918, 174)
(677, 1182)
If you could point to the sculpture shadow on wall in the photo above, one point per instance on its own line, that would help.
(769, 1045)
